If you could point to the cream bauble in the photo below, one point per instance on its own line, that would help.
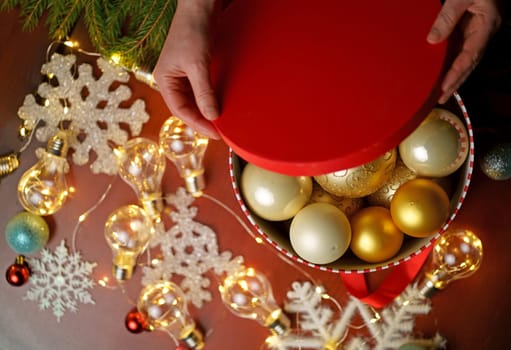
(374, 236)
(420, 207)
(274, 196)
(320, 233)
(361, 180)
(438, 147)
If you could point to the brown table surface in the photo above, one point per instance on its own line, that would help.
(472, 313)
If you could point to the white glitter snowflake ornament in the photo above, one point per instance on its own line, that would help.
(189, 249)
(60, 280)
(319, 329)
(89, 107)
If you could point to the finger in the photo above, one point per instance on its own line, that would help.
(205, 98)
(468, 58)
(183, 106)
(444, 24)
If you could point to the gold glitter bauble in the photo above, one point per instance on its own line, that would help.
(374, 236)
(348, 206)
(420, 207)
(438, 147)
(320, 233)
(384, 194)
(274, 196)
(361, 180)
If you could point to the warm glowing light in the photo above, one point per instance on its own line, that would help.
(164, 305)
(259, 240)
(186, 149)
(116, 58)
(42, 189)
(457, 254)
(247, 293)
(127, 231)
(70, 43)
(141, 164)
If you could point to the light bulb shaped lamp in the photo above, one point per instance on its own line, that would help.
(248, 294)
(141, 164)
(185, 148)
(457, 254)
(164, 307)
(127, 231)
(42, 189)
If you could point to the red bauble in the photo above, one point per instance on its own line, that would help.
(18, 273)
(135, 321)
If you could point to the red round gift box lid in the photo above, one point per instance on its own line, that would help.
(307, 88)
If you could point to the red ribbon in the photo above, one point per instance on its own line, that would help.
(393, 285)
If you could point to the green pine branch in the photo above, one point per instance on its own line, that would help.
(134, 30)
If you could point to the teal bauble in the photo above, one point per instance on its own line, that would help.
(26, 233)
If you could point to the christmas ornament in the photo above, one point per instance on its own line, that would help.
(348, 206)
(189, 249)
(319, 329)
(93, 121)
(438, 147)
(375, 237)
(42, 189)
(59, 280)
(18, 273)
(26, 233)
(247, 293)
(8, 164)
(456, 255)
(320, 233)
(135, 322)
(185, 148)
(384, 194)
(361, 180)
(496, 162)
(163, 305)
(141, 165)
(127, 232)
(420, 207)
(274, 196)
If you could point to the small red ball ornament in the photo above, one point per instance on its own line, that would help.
(136, 322)
(18, 273)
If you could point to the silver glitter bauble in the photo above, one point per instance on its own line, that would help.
(496, 162)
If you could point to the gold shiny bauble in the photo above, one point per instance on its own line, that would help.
(375, 237)
(384, 194)
(348, 206)
(438, 147)
(420, 207)
(361, 180)
(320, 233)
(274, 196)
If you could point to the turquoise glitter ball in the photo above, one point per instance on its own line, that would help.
(26, 233)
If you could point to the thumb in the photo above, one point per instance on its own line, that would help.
(203, 92)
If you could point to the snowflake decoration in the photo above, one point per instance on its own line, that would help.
(89, 108)
(59, 280)
(319, 330)
(189, 249)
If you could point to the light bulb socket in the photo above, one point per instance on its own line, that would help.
(58, 145)
(195, 184)
(145, 76)
(278, 323)
(122, 273)
(427, 288)
(8, 164)
(192, 338)
(153, 207)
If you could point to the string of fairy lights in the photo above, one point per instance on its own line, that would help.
(43, 190)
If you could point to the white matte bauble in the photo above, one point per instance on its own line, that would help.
(320, 233)
(273, 196)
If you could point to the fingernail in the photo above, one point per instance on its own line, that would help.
(433, 36)
(211, 113)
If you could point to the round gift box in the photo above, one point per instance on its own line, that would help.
(277, 235)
